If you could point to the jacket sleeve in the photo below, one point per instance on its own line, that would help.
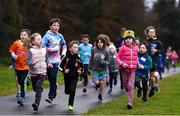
(119, 55)
(62, 64)
(81, 64)
(45, 41)
(160, 49)
(29, 57)
(106, 60)
(149, 64)
(91, 59)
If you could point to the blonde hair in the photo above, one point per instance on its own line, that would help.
(71, 43)
(112, 46)
(28, 43)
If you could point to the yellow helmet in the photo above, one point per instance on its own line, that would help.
(128, 33)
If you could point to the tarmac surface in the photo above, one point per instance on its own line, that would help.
(83, 102)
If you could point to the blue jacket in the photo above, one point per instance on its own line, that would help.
(146, 61)
(85, 52)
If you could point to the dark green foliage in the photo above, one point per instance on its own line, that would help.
(168, 22)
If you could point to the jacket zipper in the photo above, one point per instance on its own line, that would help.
(131, 58)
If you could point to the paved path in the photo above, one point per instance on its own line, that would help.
(83, 102)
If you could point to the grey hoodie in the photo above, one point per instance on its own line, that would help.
(99, 59)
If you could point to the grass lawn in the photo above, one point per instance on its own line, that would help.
(165, 102)
(8, 81)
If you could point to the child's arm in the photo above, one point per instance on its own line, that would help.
(64, 50)
(14, 56)
(119, 55)
(81, 68)
(63, 46)
(29, 59)
(91, 60)
(62, 64)
(53, 49)
(106, 59)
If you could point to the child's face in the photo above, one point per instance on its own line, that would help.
(23, 36)
(100, 44)
(112, 50)
(142, 48)
(137, 42)
(37, 40)
(85, 40)
(151, 33)
(55, 27)
(129, 41)
(74, 48)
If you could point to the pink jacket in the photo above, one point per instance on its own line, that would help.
(174, 56)
(128, 55)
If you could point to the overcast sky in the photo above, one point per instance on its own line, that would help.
(149, 4)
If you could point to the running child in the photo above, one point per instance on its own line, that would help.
(54, 42)
(72, 67)
(19, 54)
(145, 64)
(127, 59)
(156, 51)
(99, 62)
(85, 49)
(113, 67)
(37, 61)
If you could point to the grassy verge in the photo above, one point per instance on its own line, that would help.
(8, 81)
(165, 102)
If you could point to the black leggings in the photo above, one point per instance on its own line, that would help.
(144, 80)
(113, 77)
(21, 75)
(85, 74)
(37, 82)
(70, 87)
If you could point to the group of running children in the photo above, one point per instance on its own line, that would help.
(40, 58)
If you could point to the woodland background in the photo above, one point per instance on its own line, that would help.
(89, 16)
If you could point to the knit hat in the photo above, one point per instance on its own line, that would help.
(128, 33)
(112, 46)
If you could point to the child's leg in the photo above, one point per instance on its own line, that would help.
(111, 80)
(85, 75)
(18, 86)
(73, 85)
(130, 86)
(125, 80)
(121, 79)
(37, 82)
(101, 87)
(21, 79)
(138, 85)
(152, 79)
(95, 80)
(115, 78)
(145, 87)
(153, 82)
(39, 89)
(52, 77)
(67, 81)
